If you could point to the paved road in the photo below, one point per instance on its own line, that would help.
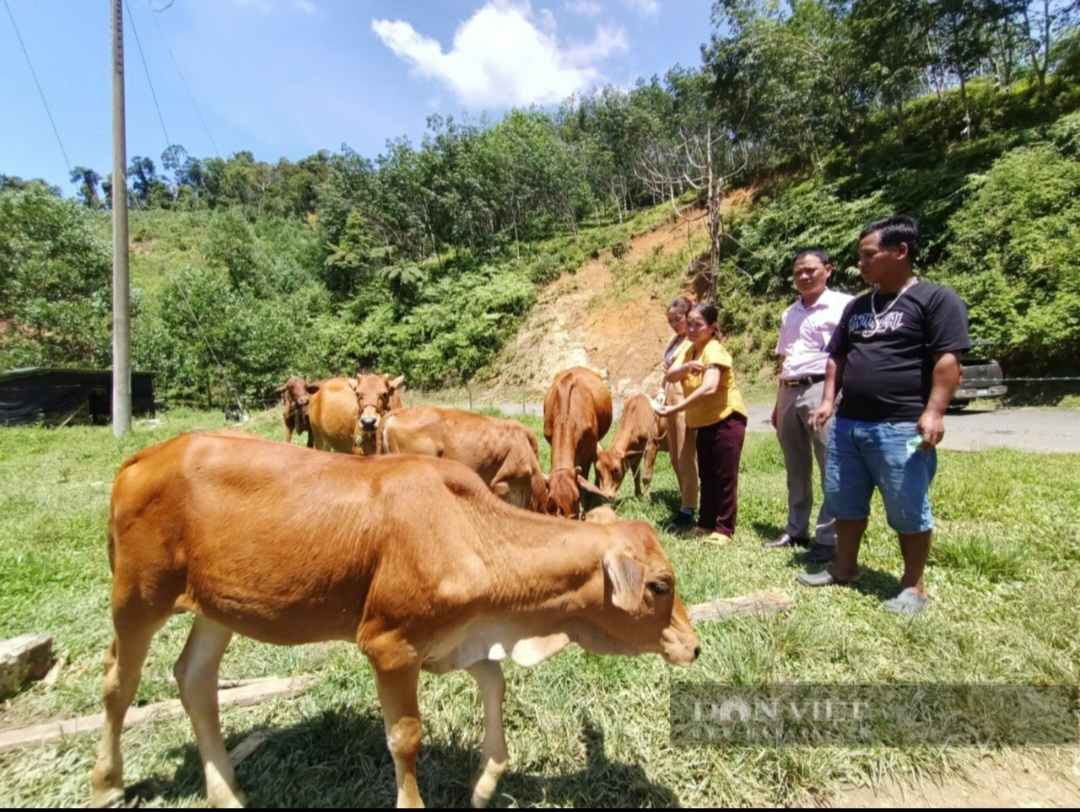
(1048, 431)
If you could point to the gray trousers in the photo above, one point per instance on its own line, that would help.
(800, 445)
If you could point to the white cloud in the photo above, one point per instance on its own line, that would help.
(644, 6)
(306, 5)
(503, 56)
(586, 8)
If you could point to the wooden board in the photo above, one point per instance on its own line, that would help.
(250, 694)
(757, 604)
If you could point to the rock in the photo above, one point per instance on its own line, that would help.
(24, 658)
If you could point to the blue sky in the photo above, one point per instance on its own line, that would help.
(285, 78)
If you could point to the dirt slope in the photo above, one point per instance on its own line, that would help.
(578, 322)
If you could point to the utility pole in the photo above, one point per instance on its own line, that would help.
(121, 356)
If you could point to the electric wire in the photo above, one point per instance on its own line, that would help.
(180, 73)
(41, 92)
(142, 56)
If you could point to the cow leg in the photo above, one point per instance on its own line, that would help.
(648, 463)
(401, 715)
(288, 432)
(494, 758)
(635, 472)
(310, 439)
(123, 670)
(197, 675)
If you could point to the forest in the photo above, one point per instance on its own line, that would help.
(425, 259)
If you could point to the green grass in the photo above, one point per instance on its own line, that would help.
(582, 730)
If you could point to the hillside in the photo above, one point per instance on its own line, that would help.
(603, 317)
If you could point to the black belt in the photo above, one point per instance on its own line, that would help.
(809, 380)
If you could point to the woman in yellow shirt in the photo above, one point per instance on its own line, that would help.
(714, 406)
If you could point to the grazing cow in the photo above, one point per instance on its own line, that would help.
(638, 438)
(503, 452)
(346, 410)
(411, 558)
(577, 415)
(297, 394)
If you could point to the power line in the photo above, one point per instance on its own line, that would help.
(142, 56)
(41, 93)
(180, 73)
(73, 85)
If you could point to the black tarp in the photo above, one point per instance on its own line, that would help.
(67, 395)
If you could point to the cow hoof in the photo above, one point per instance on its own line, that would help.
(228, 800)
(107, 798)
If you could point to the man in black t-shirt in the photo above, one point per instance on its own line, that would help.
(895, 356)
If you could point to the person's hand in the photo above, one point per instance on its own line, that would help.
(821, 416)
(931, 428)
(772, 419)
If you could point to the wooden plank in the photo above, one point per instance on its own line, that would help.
(251, 694)
(756, 604)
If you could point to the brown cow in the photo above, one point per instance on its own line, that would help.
(577, 415)
(375, 396)
(503, 452)
(639, 436)
(295, 406)
(346, 409)
(411, 558)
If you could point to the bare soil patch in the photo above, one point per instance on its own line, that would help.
(574, 324)
(1015, 782)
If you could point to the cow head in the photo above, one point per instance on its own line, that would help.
(641, 611)
(375, 396)
(564, 492)
(563, 499)
(611, 470)
(297, 391)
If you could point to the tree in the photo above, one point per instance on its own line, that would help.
(54, 281)
(888, 38)
(961, 40)
(88, 181)
(702, 156)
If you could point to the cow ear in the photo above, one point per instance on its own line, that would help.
(397, 382)
(280, 390)
(627, 579)
(312, 388)
(353, 384)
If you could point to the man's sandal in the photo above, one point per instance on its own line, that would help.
(823, 578)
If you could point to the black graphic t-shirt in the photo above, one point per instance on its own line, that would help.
(890, 360)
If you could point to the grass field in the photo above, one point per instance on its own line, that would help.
(582, 730)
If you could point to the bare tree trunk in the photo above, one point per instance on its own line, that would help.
(969, 128)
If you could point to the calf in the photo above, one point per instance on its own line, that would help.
(503, 452)
(295, 404)
(411, 558)
(639, 436)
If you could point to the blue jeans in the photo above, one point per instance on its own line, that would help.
(865, 455)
